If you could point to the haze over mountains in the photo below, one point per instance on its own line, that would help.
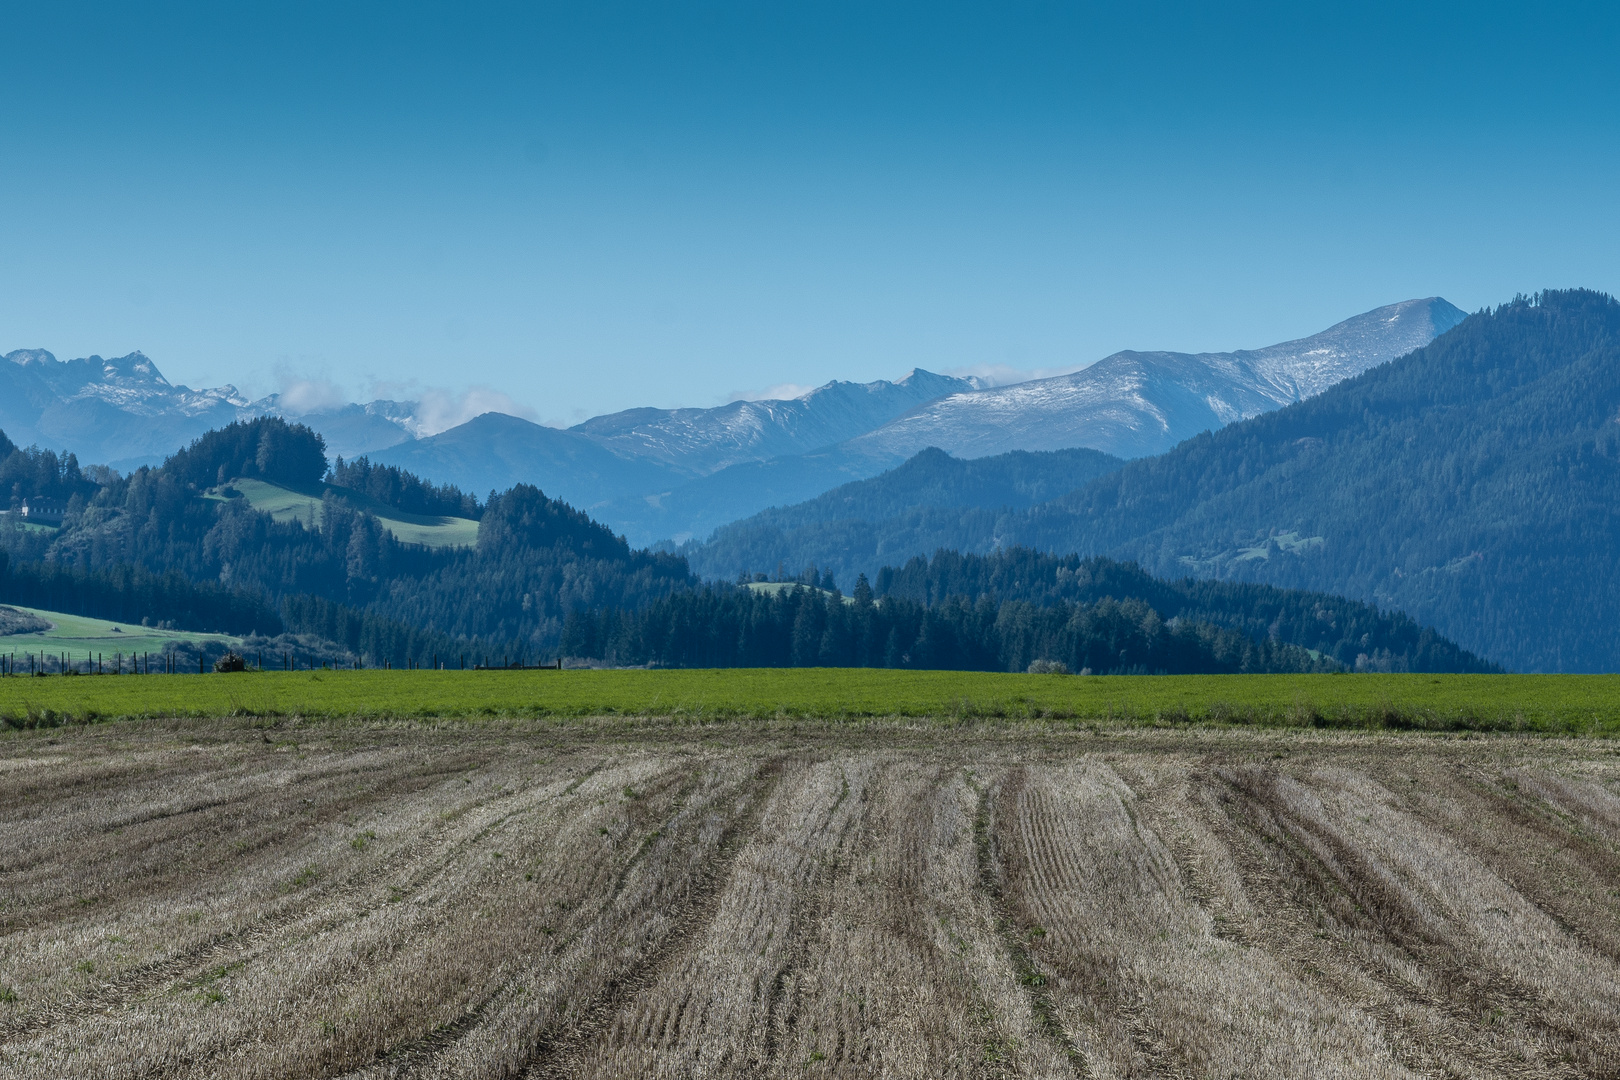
(678, 474)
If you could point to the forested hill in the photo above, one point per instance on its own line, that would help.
(1355, 635)
(1474, 484)
(1009, 610)
(536, 559)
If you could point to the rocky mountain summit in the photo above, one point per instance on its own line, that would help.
(123, 412)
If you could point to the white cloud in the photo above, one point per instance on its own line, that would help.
(779, 392)
(440, 410)
(300, 396)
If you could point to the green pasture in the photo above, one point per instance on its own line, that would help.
(774, 588)
(1577, 704)
(286, 504)
(81, 637)
(34, 526)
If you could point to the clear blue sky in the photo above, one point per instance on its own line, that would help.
(591, 206)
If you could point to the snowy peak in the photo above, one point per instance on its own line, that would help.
(28, 357)
(1137, 403)
(1304, 368)
(696, 442)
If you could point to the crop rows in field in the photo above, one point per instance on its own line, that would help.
(1578, 704)
(309, 901)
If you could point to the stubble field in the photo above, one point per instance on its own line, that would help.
(231, 899)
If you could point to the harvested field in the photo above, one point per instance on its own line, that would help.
(234, 899)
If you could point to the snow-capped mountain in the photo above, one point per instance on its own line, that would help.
(123, 412)
(697, 442)
(131, 383)
(662, 473)
(1133, 404)
(118, 410)
(632, 459)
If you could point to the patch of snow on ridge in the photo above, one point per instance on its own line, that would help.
(1138, 403)
(701, 441)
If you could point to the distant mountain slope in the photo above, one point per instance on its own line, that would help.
(1129, 404)
(123, 412)
(701, 441)
(1474, 484)
(931, 501)
(105, 410)
(656, 474)
(494, 451)
(353, 429)
(1132, 404)
(678, 474)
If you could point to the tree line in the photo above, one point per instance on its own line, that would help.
(801, 626)
(35, 473)
(1353, 634)
(393, 486)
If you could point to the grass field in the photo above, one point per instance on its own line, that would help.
(286, 504)
(1576, 704)
(81, 637)
(774, 588)
(250, 899)
(28, 526)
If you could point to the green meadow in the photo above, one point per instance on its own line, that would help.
(1567, 704)
(80, 637)
(286, 504)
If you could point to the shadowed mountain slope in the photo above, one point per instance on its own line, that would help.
(1474, 484)
(931, 501)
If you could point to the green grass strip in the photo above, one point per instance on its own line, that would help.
(1562, 704)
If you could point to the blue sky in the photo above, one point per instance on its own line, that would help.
(588, 207)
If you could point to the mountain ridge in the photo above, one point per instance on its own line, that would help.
(678, 474)
(698, 442)
(1133, 404)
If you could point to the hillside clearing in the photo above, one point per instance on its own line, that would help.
(221, 899)
(83, 636)
(285, 504)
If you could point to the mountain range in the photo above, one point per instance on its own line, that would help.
(726, 463)
(679, 474)
(187, 545)
(1473, 483)
(1133, 404)
(123, 413)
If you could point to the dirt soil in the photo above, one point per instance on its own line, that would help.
(223, 899)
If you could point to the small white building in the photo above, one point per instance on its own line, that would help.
(42, 511)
